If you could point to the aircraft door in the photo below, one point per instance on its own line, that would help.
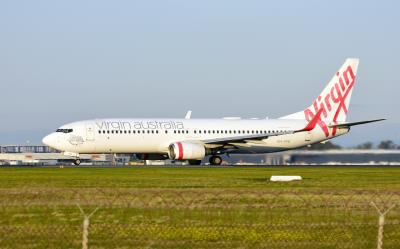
(89, 132)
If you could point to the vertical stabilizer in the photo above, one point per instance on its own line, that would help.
(334, 100)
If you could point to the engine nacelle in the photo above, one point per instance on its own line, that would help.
(186, 151)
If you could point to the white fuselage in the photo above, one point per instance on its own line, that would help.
(155, 135)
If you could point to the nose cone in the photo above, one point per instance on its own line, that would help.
(49, 140)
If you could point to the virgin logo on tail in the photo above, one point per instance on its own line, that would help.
(333, 100)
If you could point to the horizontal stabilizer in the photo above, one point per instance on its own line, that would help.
(346, 125)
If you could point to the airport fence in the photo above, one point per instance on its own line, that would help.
(190, 218)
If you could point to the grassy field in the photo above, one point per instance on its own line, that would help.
(198, 207)
(317, 178)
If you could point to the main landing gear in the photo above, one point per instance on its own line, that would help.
(77, 161)
(215, 160)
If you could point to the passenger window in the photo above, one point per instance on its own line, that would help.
(166, 132)
(108, 132)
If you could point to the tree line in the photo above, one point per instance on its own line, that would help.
(384, 145)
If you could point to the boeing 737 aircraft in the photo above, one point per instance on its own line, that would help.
(193, 139)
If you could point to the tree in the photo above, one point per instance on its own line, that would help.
(387, 145)
(324, 146)
(365, 146)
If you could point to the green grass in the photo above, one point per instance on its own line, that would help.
(318, 178)
(198, 207)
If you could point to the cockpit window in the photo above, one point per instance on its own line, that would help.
(64, 130)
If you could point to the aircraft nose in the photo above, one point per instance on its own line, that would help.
(49, 140)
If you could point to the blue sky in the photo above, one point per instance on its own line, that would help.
(62, 61)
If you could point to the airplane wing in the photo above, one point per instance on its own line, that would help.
(346, 125)
(247, 138)
(244, 138)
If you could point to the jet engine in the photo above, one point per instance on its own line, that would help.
(186, 151)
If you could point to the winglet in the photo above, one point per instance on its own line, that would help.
(313, 122)
(188, 115)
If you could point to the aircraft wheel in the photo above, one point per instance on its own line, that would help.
(77, 162)
(215, 160)
(194, 162)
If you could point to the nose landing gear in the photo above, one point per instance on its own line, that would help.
(215, 160)
(77, 161)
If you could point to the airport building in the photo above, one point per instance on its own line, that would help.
(27, 149)
(324, 157)
(44, 155)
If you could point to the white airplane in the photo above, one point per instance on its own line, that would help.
(193, 139)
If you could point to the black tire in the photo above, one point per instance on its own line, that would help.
(77, 162)
(215, 160)
(194, 162)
